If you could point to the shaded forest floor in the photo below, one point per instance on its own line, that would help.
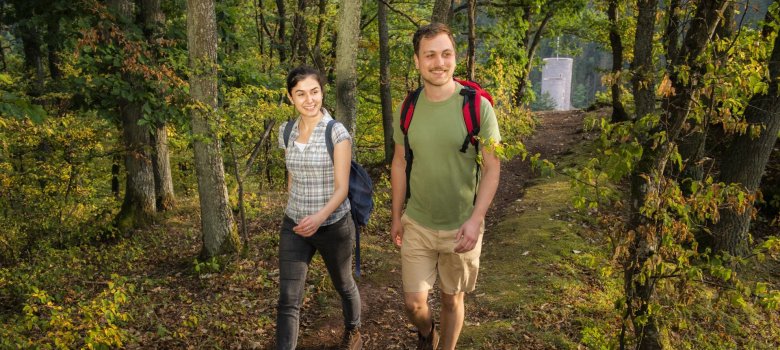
(542, 282)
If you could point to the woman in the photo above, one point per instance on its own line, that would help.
(317, 214)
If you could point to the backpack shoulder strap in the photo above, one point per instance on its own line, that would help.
(407, 109)
(329, 137)
(287, 131)
(407, 112)
(471, 115)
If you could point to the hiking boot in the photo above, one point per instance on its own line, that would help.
(351, 340)
(431, 342)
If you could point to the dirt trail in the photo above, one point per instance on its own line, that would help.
(384, 324)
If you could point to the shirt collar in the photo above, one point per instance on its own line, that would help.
(326, 117)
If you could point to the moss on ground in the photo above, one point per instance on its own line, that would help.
(538, 281)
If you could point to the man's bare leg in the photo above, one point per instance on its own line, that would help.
(416, 307)
(452, 315)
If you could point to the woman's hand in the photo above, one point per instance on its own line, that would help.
(309, 225)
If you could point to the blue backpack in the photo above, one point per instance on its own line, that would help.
(360, 193)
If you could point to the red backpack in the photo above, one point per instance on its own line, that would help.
(472, 98)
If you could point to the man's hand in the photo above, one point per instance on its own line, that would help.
(397, 232)
(467, 236)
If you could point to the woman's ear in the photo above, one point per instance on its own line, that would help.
(289, 98)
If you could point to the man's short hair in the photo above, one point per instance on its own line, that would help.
(429, 31)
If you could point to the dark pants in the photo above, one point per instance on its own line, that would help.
(335, 243)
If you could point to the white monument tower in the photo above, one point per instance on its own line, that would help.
(556, 81)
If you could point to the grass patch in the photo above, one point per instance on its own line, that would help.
(539, 282)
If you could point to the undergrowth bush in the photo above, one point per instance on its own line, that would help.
(46, 322)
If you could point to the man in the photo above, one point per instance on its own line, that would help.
(441, 228)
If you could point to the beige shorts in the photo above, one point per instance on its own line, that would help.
(425, 251)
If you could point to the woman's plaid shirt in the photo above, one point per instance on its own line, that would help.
(311, 172)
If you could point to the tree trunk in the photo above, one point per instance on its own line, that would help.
(154, 26)
(643, 81)
(154, 19)
(671, 36)
(703, 25)
(618, 112)
(53, 44)
(163, 180)
(281, 30)
(218, 229)
(33, 60)
(692, 147)
(317, 52)
(385, 93)
(472, 59)
(346, 63)
(299, 42)
(115, 168)
(139, 205)
(746, 158)
(639, 292)
(240, 181)
(645, 177)
(442, 12)
(258, 27)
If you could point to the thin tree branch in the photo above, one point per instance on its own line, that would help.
(256, 149)
(416, 23)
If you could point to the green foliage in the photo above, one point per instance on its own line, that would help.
(15, 105)
(59, 142)
(55, 180)
(209, 266)
(544, 103)
(674, 212)
(92, 324)
(579, 99)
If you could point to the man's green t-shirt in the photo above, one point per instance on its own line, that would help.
(443, 180)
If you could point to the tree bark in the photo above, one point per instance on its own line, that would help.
(138, 206)
(258, 27)
(618, 112)
(346, 63)
(745, 160)
(639, 292)
(154, 26)
(281, 30)
(671, 35)
(115, 168)
(53, 45)
(317, 51)
(442, 12)
(299, 42)
(217, 226)
(692, 146)
(472, 59)
(154, 19)
(385, 93)
(31, 46)
(647, 175)
(703, 25)
(163, 180)
(643, 81)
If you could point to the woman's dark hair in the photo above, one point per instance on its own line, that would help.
(302, 72)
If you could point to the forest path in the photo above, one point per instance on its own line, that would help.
(384, 323)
